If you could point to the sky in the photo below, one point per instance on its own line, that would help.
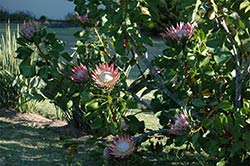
(53, 9)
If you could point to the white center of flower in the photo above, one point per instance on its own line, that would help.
(181, 32)
(79, 74)
(123, 146)
(106, 76)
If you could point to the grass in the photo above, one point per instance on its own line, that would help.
(22, 145)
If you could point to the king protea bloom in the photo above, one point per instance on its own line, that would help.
(105, 75)
(29, 29)
(79, 73)
(122, 146)
(180, 125)
(179, 32)
(82, 19)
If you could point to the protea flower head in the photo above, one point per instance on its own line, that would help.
(105, 75)
(82, 19)
(28, 30)
(79, 73)
(180, 125)
(179, 32)
(122, 146)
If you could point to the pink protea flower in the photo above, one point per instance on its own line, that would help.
(122, 146)
(82, 19)
(181, 124)
(180, 31)
(105, 75)
(79, 73)
(28, 30)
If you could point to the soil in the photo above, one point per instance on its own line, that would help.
(38, 121)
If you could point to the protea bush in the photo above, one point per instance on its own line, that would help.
(203, 69)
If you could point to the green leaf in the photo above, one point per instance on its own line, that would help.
(223, 119)
(205, 61)
(62, 102)
(50, 89)
(211, 15)
(237, 39)
(92, 105)
(131, 104)
(247, 9)
(51, 37)
(222, 162)
(246, 138)
(97, 123)
(24, 52)
(226, 105)
(195, 138)
(210, 73)
(27, 70)
(36, 96)
(34, 82)
(110, 99)
(222, 57)
(135, 126)
(86, 96)
(66, 56)
(198, 103)
(43, 72)
(244, 4)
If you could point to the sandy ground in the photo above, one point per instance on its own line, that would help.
(38, 121)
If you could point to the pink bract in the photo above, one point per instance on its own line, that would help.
(105, 75)
(106, 153)
(28, 30)
(82, 19)
(79, 73)
(122, 146)
(181, 124)
(179, 32)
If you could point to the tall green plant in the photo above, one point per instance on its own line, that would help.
(14, 88)
(8, 45)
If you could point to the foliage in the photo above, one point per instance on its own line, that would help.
(16, 16)
(204, 74)
(14, 89)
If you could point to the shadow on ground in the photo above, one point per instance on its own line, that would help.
(22, 145)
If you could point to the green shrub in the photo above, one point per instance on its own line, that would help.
(14, 87)
(18, 16)
(202, 76)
